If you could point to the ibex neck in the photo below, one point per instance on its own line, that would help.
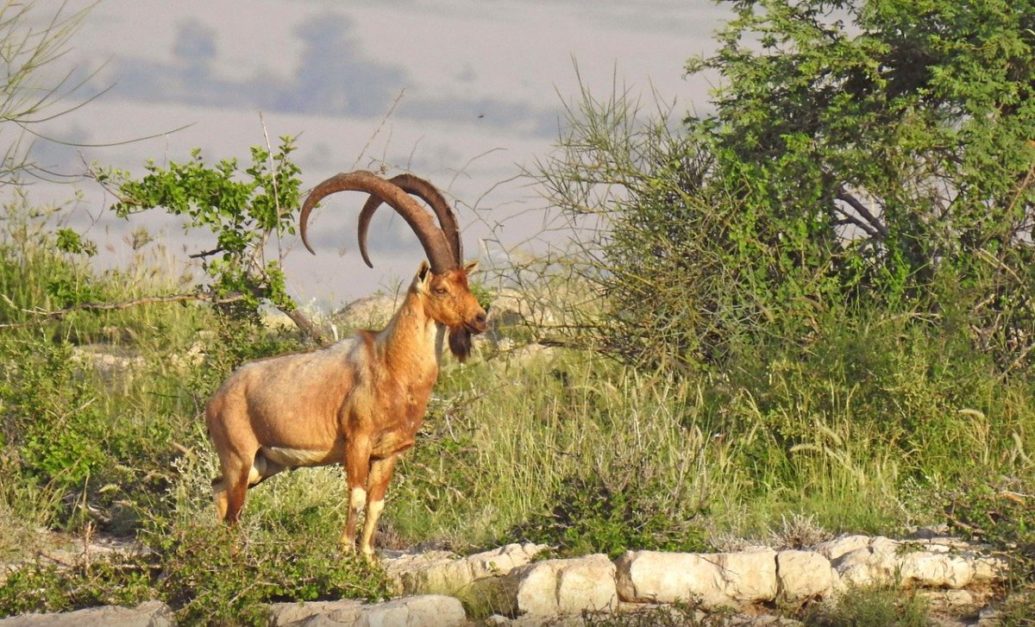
(412, 341)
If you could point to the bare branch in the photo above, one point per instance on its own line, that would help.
(844, 196)
(148, 300)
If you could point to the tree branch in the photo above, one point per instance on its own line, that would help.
(148, 300)
(206, 253)
(844, 196)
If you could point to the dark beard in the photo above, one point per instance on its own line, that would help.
(460, 343)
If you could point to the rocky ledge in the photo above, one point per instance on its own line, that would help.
(513, 585)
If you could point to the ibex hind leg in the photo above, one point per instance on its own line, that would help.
(230, 497)
(230, 487)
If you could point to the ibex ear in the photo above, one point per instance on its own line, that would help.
(423, 274)
(471, 267)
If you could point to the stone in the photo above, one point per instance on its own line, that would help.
(559, 587)
(949, 599)
(935, 570)
(147, 614)
(841, 545)
(714, 580)
(804, 575)
(442, 572)
(299, 613)
(937, 563)
(988, 569)
(414, 611)
(865, 567)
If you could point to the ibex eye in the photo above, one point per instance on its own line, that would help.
(441, 291)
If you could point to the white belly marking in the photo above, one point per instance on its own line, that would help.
(295, 457)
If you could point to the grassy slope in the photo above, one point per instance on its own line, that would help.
(882, 427)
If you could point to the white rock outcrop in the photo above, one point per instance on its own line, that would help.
(712, 579)
(441, 572)
(804, 575)
(147, 614)
(518, 591)
(939, 563)
(415, 611)
(559, 587)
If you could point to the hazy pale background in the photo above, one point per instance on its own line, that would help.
(483, 85)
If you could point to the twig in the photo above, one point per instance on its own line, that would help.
(206, 253)
(862, 210)
(175, 298)
(377, 131)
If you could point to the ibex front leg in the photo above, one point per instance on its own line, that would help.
(380, 475)
(357, 469)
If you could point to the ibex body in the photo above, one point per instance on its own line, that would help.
(361, 401)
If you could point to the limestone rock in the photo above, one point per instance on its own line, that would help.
(804, 575)
(282, 614)
(147, 614)
(935, 570)
(714, 580)
(559, 587)
(841, 545)
(415, 611)
(444, 573)
(936, 563)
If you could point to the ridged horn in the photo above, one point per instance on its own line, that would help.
(427, 192)
(432, 238)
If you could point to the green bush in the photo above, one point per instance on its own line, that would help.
(207, 574)
(870, 607)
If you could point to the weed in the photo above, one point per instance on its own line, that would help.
(869, 607)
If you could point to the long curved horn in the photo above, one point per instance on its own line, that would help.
(431, 237)
(428, 193)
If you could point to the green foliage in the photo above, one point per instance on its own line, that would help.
(870, 607)
(206, 574)
(210, 576)
(44, 587)
(594, 515)
(49, 414)
(909, 121)
(243, 210)
(1000, 516)
(39, 269)
(864, 151)
(70, 241)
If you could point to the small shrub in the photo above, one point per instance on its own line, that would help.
(592, 515)
(210, 575)
(869, 607)
(42, 587)
(1003, 516)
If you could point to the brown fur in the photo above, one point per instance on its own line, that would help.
(359, 402)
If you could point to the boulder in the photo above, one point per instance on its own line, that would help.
(147, 614)
(803, 575)
(833, 549)
(930, 564)
(415, 611)
(444, 573)
(714, 580)
(559, 587)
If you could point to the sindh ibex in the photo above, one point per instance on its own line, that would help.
(361, 401)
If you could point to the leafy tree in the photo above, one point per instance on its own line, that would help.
(868, 151)
(247, 212)
(907, 122)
